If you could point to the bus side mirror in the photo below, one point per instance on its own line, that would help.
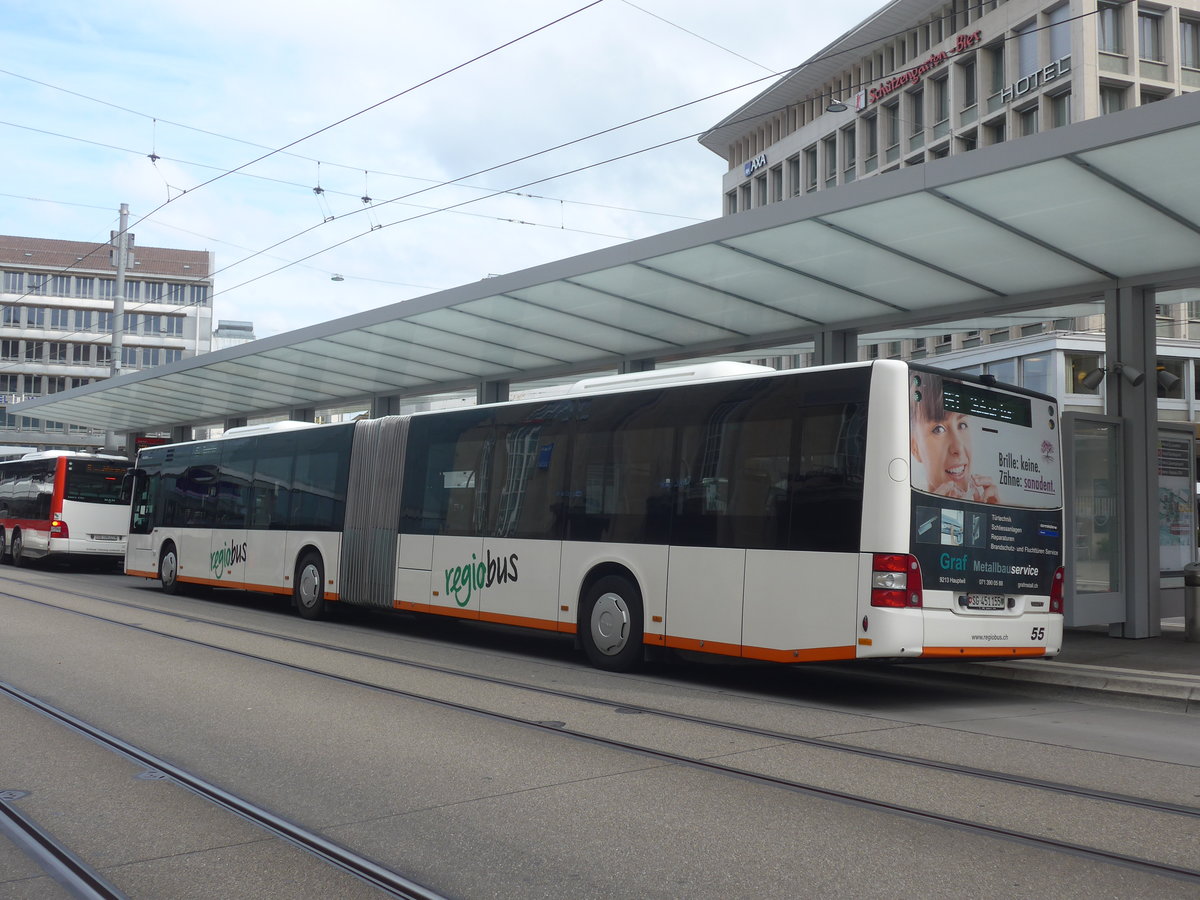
(129, 484)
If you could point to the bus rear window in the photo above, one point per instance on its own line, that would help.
(94, 482)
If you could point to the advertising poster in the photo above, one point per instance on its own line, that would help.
(987, 488)
(1176, 502)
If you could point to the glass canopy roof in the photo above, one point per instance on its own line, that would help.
(1049, 220)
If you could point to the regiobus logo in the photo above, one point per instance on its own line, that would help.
(224, 557)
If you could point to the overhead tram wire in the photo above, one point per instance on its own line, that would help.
(562, 145)
(355, 115)
(756, 116)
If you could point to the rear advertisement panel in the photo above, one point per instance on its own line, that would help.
(987, 487)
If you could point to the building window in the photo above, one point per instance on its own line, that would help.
(794, 183)
(1060, 109)
(941, 100)
(55, 384)
(104, 320)
(85, 286)
(60, 319)
(1028, 121)
(969, 91)
(170, 356)
(79, 382)
(1037, 372)
(849, 153)
(1027, 49)
(995, 132)
(744, 196)
(58, 352)
(916, 112)
(83, 320)
(173, 325)
(1150, 36)
(104, 355)
(151, 324)
(1060, 32)
(14, 282)
(1189, 45)
(810, 169)
(35, 317)
(1108, 25)
(777, 184)
(12, 317)
(150, 357)
(33, 351)
(133, 290)
(129, 357)
(10, 384)
(1112, 98)
(175, 294)
(199, 295)
(81, 354)
(60, 285)
(829, 148)
(10, 349)
(154, 291)
(731, 202)
(871, 132)
(38, 284)
(760, 190)
(108, 288)
(891, 126)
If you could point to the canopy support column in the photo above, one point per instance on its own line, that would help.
(836, 346)
(491, 392)
(629, 366)
(1130, 344)
(303, 414)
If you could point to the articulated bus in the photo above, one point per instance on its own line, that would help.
(63, 504)
(867, 510)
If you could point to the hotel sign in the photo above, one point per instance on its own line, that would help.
(1035, 80)
(962, 43)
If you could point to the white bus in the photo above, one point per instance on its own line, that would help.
(868, 510)
(62, 503)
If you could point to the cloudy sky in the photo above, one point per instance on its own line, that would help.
(378, 99)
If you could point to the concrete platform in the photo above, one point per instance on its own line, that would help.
(1162, 671)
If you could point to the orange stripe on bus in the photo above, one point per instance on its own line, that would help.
(981, 652)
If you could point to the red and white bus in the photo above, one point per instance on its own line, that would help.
(62, 504)
(875, 509)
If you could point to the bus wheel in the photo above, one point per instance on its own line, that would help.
(612, 624)
(168, 569)
(3, 545)
(18, 550)
(308, 589)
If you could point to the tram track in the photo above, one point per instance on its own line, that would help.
(69, 870)
(625, 707)
(1177, 871)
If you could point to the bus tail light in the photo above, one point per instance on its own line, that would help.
(896, 581)
(59, 529)
(1056, 590)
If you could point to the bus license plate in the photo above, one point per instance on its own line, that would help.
(106, 537)
(986, 601)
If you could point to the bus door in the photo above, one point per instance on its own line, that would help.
(228, 502)
(140, 490)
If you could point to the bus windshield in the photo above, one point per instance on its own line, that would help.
(92, 481)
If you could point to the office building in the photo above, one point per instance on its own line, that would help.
(56, 323)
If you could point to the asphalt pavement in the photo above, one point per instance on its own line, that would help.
(1161, 671)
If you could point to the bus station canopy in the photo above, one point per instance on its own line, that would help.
(1050, 220)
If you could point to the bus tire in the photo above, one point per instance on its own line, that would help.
(17, 551)
(3, 545)
(611, 624)
(168, 569)
(308, 588)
